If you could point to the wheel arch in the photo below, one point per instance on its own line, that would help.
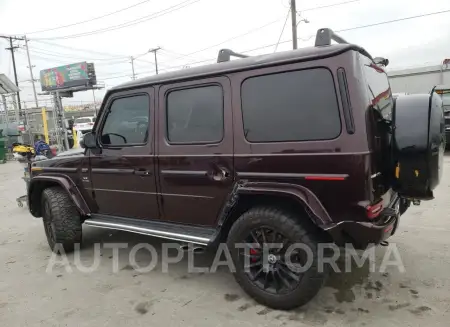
(292, 197)
(39, 183)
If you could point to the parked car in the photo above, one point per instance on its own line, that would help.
(297, 147)
(84, 122)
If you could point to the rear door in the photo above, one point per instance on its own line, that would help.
(195, 149)
(122, 170)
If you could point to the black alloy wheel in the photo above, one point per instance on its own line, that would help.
(267, 266)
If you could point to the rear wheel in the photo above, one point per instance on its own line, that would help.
(273, 275)
(62, 222)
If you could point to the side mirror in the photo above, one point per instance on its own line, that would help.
(88, 141)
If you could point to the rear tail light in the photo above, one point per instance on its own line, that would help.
(374, 211)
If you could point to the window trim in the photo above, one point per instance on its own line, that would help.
(106, 113)
(345, 100)
(290, 71)
(187, 87)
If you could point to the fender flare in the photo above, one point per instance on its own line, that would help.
(316, 211)
(67, 184)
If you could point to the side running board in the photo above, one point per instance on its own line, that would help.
(167, 230)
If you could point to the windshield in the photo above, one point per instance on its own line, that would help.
(82, 120)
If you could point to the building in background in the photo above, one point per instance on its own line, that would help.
(420, 79)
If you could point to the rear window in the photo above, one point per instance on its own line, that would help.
(379, 89)
(290, 106)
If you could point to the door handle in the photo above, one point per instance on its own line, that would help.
(142, 172)
(220, 174)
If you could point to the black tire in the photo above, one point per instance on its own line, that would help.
(62, 221)
(289, 226)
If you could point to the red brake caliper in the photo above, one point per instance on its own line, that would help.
(253, 252)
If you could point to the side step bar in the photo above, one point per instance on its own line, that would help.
(172, 231)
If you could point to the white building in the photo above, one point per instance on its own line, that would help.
(421, 79)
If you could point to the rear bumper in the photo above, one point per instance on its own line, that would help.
(364, 234)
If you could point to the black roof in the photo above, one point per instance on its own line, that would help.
(303, 54)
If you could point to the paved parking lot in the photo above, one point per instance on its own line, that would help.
(30, 296)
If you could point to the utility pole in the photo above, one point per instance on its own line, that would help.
(132, 67)
(61, 119)
(12, 48)
(294, 24)
(95, 104)
(156, 59)
(31, 73)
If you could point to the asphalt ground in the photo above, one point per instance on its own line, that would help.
(30, 295)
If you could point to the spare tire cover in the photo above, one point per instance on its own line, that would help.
(419, 145)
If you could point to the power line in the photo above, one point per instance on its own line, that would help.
(265, 25)
(183, 55)
(329, 6)
(89, 20)
(176, 54)
(52, 54)
(118, 58)
(237, 36)
(127, 24)
(313, 35)
(80, 49)
(394, 21)
(286, 41)
(282, 30)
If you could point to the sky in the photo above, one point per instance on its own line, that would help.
(191, 33)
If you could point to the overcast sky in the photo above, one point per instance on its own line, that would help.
(195, 30)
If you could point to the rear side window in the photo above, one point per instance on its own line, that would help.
(290, 106)
(379, 89)
(195, 115)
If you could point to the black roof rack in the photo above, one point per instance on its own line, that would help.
(324, 37)
(226, 54)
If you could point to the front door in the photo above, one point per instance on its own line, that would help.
(122, 169)
(195, 149)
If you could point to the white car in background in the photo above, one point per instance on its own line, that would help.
(81, 132)
(84, 122)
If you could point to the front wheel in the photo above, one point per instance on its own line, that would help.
(62, 221)
(276, 258)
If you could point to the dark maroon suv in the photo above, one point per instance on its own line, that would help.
(303, 146)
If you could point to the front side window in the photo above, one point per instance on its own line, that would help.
(290, 106)
(195, 115)
(127, 121)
